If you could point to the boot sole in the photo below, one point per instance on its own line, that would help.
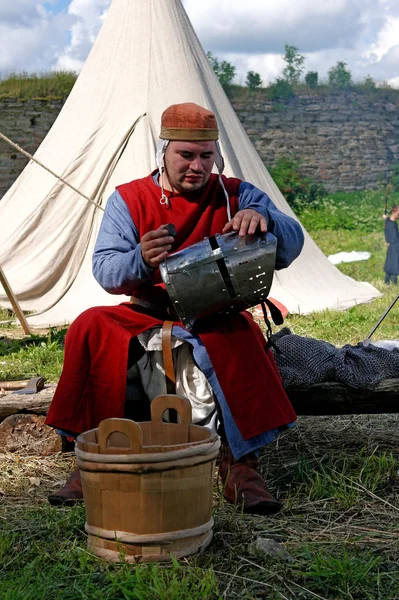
(263, 508)
(60, 501)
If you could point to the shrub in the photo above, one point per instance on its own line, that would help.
(295, 187)
(353, 211)
(312, 79)
(369, 83)
(253, 80)
(224, 70)
(340, 76)
(281, 90)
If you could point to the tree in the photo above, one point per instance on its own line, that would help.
(253, 80)
(224, 70)
(340, 76)
(294, 64)
(312, 79)
(369, 83)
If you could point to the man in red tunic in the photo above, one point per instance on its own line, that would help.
(231, 352)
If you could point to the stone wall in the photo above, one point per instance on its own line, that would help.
(346, 141)
(26, 123)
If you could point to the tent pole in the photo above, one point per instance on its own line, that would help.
(14, 145)
(14, 302)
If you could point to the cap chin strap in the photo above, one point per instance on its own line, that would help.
(219, 162)
(160, 159)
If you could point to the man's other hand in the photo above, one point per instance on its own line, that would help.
(246, 221)
(155, 246)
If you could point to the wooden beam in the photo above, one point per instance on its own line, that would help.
(330, 398)
(14, 302)
(333, 398)
(39, 403)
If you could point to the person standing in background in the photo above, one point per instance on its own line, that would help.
(391, 266)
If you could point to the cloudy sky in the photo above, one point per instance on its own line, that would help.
(41, 35)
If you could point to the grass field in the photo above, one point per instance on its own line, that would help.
(26, 86)
(337, 477)
(58, 84)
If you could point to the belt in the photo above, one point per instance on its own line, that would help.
(153, 310)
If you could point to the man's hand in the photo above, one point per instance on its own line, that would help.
(155, 246)
(246, 221)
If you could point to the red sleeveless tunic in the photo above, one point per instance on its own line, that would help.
(92, 384)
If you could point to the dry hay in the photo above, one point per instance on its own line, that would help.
(27, 480)
(370, 520)
(312, 439)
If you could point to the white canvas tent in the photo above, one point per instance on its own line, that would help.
(145, 58)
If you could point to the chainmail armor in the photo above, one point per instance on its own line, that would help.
(304, 361)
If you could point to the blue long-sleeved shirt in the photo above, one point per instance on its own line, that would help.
(118, 264)
(119, 268)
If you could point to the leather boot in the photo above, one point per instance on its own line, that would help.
(70, 493)
(244, 486)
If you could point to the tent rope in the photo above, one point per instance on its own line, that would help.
(14, 145)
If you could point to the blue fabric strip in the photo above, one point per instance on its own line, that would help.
(238, 445)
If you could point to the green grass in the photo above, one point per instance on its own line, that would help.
(43, 556)
(337, 478)
(353, 325)
(26, 86)
(31, 356)
(58, 84)
(339, 525)
(343, 223)
(357, 212)
(344, 482)
(350, 573)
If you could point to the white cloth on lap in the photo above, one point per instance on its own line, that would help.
(190, 381)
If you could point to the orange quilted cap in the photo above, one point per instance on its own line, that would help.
(188, 122)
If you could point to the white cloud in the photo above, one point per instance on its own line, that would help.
(30, 36)
(21, 12)
(386, 38)
(256, 26)
(35, 36)
(89, 16)
(252, 34)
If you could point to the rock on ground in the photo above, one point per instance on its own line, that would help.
(28, 435)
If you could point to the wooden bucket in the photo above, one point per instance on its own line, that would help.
(148, 486)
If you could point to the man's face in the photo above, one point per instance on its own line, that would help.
(188, 165)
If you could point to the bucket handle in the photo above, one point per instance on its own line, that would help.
(128, 428)
(181, 405)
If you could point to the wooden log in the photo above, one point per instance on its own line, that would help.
(39, 403)
(329, 398)
(333, 398)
